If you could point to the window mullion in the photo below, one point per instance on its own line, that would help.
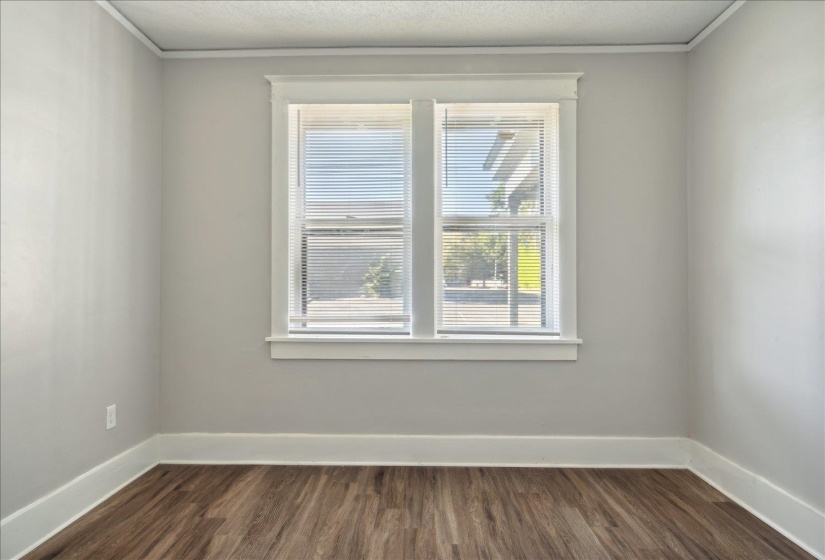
(423, 218)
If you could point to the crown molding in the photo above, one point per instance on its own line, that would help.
(112, 11)
(715, 23)
(420, 51)
(424, 51)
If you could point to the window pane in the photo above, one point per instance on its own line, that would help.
(484, 287)
(354, 172)
(350, 230)
(352, 279)
(498, 211)
(492, 159)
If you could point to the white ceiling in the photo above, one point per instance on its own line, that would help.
(200, 25)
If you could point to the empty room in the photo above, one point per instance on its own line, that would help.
(412, 280)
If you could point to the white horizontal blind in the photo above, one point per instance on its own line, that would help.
(499, 200)
(349, 218)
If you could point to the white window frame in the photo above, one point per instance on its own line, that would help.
(423, 91)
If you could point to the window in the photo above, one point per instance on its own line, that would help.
(349, 184)
(499, 226)
(424, 217)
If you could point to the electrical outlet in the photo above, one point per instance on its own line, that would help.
(111, 416)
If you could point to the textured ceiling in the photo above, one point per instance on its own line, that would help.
(196, 25)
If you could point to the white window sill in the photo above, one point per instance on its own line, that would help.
(325, 347)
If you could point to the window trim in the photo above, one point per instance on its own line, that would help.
(422, 91)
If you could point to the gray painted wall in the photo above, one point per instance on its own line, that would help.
(81, 102)
(631, 376)
(756, 244)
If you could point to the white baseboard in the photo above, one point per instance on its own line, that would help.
(27, 528)
(23, 530)
(789, 515)
(510, 451)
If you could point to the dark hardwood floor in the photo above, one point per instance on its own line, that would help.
(291, 512)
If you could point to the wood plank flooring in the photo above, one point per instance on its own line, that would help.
(291, 512)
